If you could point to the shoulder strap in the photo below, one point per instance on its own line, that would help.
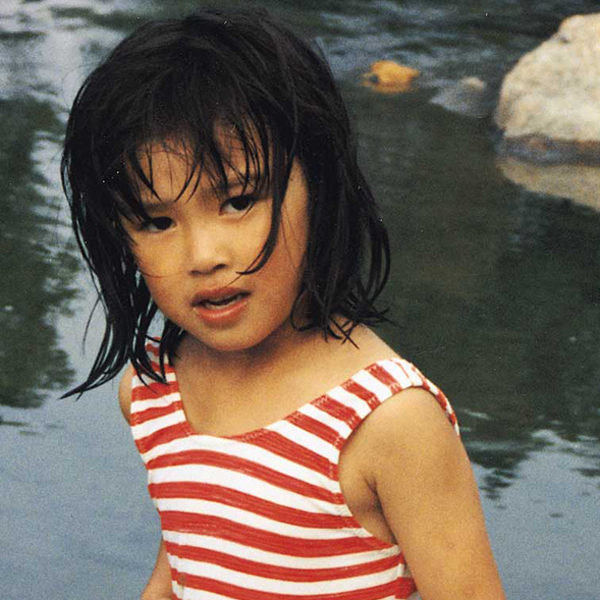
(345, 407)
(155, 406)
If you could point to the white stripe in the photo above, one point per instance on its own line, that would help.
(243, 483)
(305, 439)
(263, 584)
(247, 517)
(359, 406)
(182, 444)
(341, 427)
(373, 384)
(416, 379)
(153, 425)
(399, 374)
(189, 594)
(434, 388)
(262, 456)
(158, 402)
(273, 558)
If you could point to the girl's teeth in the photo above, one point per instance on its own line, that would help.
(223, 302)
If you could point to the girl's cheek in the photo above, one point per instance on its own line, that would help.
(159, 257)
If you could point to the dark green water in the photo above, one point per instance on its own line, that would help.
(496, 291)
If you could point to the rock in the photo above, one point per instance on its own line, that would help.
(549, 106)
(389, 77)
(467, 97)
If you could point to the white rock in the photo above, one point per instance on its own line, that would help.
(553, 92)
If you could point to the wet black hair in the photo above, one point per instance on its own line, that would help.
(188, 79)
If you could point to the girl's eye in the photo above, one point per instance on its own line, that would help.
(238, 204)
(157, 224)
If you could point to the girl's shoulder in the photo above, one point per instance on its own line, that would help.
(371, 361)
(415, 409)
(126, 382)
(125, 386)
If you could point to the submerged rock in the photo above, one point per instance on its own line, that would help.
(549, 106)
(389, 77)
(468, 96)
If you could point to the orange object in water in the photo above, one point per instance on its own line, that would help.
(389, 77)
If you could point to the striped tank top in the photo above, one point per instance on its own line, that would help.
(261, 516)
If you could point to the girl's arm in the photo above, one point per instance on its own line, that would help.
(425, 484)
(159, 585)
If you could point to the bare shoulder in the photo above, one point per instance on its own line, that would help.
(408, 417)
(428, 494)
(407, 425)
(413, 414)
(125, 391)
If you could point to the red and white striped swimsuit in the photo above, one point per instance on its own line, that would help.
(261, 516)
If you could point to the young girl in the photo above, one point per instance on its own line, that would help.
(291, 454)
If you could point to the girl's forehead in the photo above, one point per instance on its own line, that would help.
(227, 149)
(168, 168)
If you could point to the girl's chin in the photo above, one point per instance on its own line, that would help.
(235, 340)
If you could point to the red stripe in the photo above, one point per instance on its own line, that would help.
(162, 436)
(363, 393)
(261, 569)
(382, 375)
(239, 533)
(148, 391)
(400, 588)
(142, 416)
(315, 427)
(152, 348)
(248, 467)
(281, 446)
(443, 401)
(259, 506)
(151, 390)
(339, 411)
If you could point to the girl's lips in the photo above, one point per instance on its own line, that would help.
(222, 311)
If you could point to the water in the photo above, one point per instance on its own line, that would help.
(496, 291)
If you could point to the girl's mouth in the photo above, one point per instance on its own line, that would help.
(224, 311)
(223, 302)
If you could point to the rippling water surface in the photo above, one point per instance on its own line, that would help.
(496, 291)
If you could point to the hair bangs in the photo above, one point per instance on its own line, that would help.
(225, 133)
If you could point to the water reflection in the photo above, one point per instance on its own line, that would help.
(47, 47)
(37, 266)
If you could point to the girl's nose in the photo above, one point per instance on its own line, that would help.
(207, 250)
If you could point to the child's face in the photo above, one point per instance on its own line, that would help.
(192, 249)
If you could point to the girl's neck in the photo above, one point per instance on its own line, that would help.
(279, 350)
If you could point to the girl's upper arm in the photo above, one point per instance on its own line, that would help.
(429, 498)
(125, 392)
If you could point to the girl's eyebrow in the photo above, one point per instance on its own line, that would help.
(235, 179)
